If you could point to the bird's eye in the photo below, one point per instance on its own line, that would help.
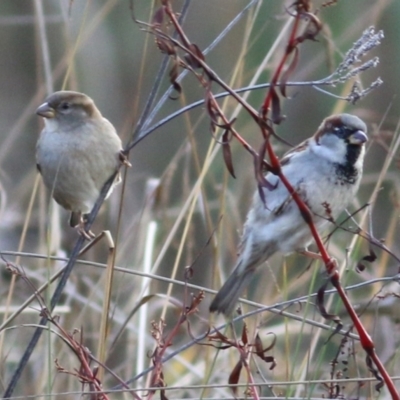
(65, 106)
(339, 131)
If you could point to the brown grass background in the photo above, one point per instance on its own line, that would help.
(98, 49)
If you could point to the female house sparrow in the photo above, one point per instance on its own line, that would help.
(77, 152)
(326, 171)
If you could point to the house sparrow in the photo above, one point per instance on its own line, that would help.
(77, 152)
(326, 171)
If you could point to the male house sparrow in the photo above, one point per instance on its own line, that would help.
(77, 152)
(326, 171)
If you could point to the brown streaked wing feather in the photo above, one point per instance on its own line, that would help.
(288, 155)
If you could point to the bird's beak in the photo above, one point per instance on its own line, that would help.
(358, 137)
(46, 111)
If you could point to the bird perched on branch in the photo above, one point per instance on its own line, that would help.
(325, 170)
(77, 152)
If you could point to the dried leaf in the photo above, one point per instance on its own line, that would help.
(321, 306)
(196, 300)
(271, 346)
(226, 151)
(219, 336)
(158, 17)
(196, 50)
(259, 167)
(193, 61)
(277, 117)
(235, 375)
(258, 346)
(313, 28)
(245, 338)
(173, 75)
(261, 352)
(286, 75)
(360, 267)
(162, 395)
(374, 372)
(371, 257)
(164, 46)
(212, 110)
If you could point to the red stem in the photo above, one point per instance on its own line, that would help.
(279, 69)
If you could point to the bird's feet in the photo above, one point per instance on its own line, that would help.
(78, 221)
(88, 235)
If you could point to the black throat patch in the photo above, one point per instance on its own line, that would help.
(347, 172)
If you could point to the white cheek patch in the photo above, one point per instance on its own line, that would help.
(331, 148)
(360, 160)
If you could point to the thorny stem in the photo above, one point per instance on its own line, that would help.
(252, 386)
(163, 343)
(85, 374)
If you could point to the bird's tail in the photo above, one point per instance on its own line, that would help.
(225, 300)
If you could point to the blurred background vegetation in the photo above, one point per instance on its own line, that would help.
(97, 48)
